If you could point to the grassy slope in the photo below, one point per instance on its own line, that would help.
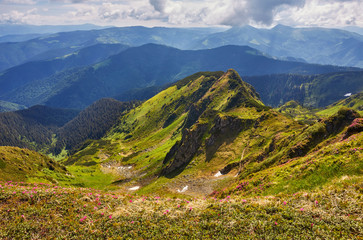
(18, 164)
(298, 112)
(267, 140)
(127, 145)
(42, 211)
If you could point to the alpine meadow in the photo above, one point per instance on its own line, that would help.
(165, 119)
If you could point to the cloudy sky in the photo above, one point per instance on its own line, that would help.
(185, 13)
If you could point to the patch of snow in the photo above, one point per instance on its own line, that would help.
(218, 174)
(348, 95)
(123, 167)
(134, 188)
(183, 190)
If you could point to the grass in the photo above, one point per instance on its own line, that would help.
(90, 177)
(321, 167)
(45, 211)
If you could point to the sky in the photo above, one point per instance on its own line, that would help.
(184, 13)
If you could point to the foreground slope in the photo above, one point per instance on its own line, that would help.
(39, 211)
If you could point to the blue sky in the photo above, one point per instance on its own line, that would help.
(184, 13)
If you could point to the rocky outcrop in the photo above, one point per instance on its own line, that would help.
(183, 152)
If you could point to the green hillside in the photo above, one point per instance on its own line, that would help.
(18, 164)
(206, 124)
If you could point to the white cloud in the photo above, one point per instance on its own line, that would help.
(325, 13)
(186, 12)
(22, 2)
(17, 17)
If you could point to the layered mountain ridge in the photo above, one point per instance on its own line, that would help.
(142, 67)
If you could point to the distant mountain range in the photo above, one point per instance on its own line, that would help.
(59, 44)
(314, 45)
(139, 67)
(36, 70)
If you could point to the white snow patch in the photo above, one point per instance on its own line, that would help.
(134, 188)
(124, 168)
(218, 174)
(183, 190)
(348, 95)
